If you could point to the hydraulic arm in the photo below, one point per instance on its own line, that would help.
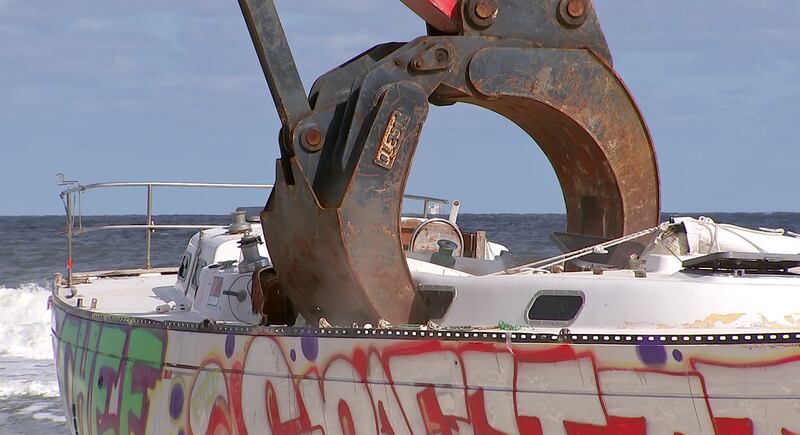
(332, 223)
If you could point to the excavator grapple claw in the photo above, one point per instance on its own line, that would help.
(332, 223)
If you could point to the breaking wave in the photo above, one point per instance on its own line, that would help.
(22, 387)
(42, 411)
(25, 323)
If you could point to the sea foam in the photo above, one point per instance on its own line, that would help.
(21, 387)
(25, 323)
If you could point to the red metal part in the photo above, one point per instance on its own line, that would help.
(441, 14)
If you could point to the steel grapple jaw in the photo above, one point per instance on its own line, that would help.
(332, 223)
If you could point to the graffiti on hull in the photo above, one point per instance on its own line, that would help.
(107, 371)
(124, 379)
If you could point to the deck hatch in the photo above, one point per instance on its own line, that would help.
(434, 300)
(555, 307)
(744, 261)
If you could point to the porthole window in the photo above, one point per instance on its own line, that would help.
(555, 307)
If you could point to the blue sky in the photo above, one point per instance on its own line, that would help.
(108, 90)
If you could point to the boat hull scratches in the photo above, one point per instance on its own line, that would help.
(127, 378)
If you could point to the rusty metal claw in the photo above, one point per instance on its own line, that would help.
(332, 223)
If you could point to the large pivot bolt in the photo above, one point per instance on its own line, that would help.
(572, 13)
(481, 13)
(311, 139)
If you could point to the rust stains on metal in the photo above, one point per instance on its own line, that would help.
(714, 321)
(481, 13)
(485, 8)
(572, 13)
(582, 117)
(746, 320)
(312, 139)
(576, 8)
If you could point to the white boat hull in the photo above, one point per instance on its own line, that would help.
(173, 379)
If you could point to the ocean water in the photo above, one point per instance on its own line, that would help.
(33, 248)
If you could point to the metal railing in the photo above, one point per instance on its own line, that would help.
(73, 192)
(72, 195)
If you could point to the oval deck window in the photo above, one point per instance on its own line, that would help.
(555, 306)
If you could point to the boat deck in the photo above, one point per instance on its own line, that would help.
(133, 296)
(138, 293)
